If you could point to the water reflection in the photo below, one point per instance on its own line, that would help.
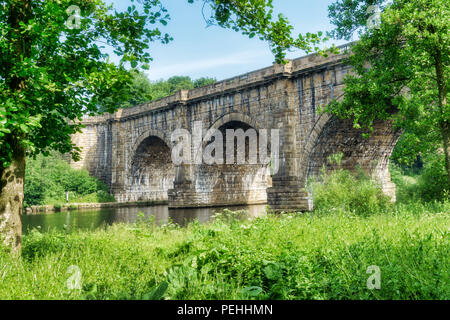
(93, 219)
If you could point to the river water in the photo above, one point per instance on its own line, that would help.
(94, 219)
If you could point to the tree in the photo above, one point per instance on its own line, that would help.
(204, 81)
(164, 88)
(141, 89)
(54, 69)
(415, 143)
(137, 91)
(400, 66)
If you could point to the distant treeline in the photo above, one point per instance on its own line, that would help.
(142, 90)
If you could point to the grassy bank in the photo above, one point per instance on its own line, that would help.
(327, 254)
(324, 255)
(92, 206)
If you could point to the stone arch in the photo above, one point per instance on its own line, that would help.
(332, 135)
(232, 184)
(144, 135)
(151, 172)
(227, 118)
(311, 140)
(234, 116)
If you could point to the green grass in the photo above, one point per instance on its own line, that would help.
(96, 197)
(324, 255)
(320, 255)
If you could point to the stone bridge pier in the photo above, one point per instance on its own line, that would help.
(132, 149)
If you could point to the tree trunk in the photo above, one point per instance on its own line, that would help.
(12, 178)
(11, 200)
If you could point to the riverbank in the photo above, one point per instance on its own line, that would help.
(89, 206)
(401, 254)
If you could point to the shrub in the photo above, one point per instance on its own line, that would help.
(433, 183)
(48, 178)
(339, 189)
(427, 186)
(405, 183)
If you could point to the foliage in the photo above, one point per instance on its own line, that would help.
(405, 183)
(255, 18)
(138, 92)
(288, 256)
(52, 73)
(142, 90)
(341, 190)
(433, 183)
(415, 143)
(400, 69)
(48, 178)
(351, 16)
(428, 186)
(163, 88)
(203, 81)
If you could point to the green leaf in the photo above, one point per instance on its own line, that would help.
(252, 291)
(158, 292)
(273, 271)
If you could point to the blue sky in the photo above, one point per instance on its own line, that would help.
(198, 51)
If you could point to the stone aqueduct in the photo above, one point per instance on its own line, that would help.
(130, 150)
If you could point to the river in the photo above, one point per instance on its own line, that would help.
(94, 219)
